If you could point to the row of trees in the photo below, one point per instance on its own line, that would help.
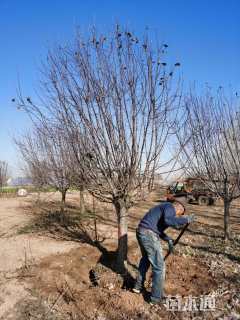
(210, 143)
(108, 114)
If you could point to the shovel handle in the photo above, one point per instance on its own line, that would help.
(177, 239)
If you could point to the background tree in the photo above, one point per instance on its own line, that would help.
(117, 92)
(211, 145)
(78, 180)
(46, 155)
(3, 173)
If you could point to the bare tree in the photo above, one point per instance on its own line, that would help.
(3, 173)
(212, 151)
(46, 154)
(114, 98)
(78, 180)
(34, 164)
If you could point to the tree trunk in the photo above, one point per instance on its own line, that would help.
(95, 218)
(226, 219)
(63, 196)
(82, 203)
(122, 216)
(63, 192)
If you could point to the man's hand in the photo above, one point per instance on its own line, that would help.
(191, 218)
(170, 245)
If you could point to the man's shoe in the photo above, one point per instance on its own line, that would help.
(135, 290)
(157, 303)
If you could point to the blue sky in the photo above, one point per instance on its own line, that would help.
(203, 35)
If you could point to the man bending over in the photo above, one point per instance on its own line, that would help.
(149, 232)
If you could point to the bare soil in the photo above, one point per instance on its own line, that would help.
(45, 260)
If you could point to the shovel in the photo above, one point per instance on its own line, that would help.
(178, 238)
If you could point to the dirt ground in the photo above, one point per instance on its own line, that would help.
(45, 260)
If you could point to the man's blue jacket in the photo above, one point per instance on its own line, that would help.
(160, 218)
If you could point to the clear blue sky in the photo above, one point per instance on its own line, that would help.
(204, 35)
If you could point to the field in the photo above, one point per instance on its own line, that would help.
(45, 259)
